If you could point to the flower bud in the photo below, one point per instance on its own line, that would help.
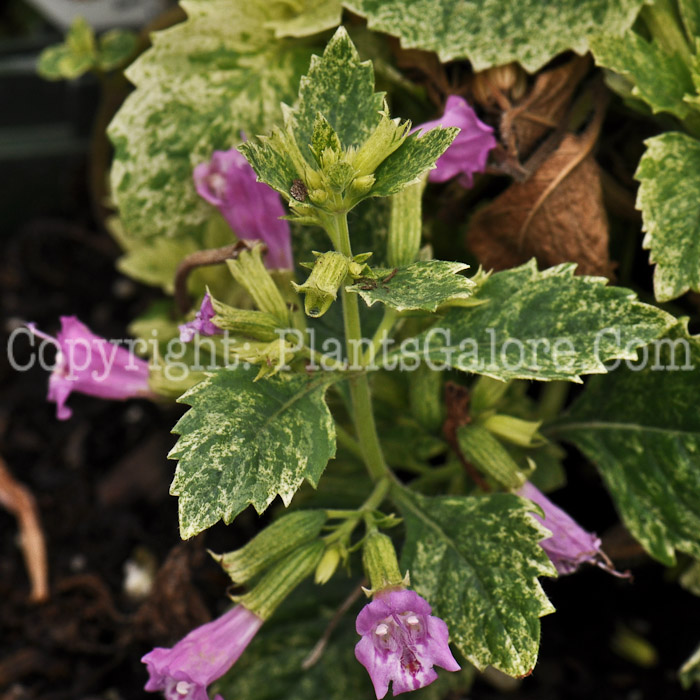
(327, 566)
(321, 287)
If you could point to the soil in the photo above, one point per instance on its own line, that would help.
(101, 482)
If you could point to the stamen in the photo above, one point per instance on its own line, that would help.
(381, 630)
(183, 688)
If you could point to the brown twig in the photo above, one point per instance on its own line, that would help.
(19, 500)
(320, 646)
(201, 258)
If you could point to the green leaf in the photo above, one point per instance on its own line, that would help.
(543, 325)
(642, 430)
(405, 165)
(660, 79)
(306, 18)
(496, 32)
(341, 87)
(337, 101)
(71, 59)
(116, 47)
(476, 561)
(669, 198)
(690, 671)
(194, 95)
(245, 442)
(421, 285)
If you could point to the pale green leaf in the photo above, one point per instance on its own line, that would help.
(244, 442)
(202, 83)
(669, 198)
(543, 325)
(341, 87)
(476, 560)
(306, 17)
(660, 79)
(421, 285)
(405, 165)
(496, 32)
(642, 430)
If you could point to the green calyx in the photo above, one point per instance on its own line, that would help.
(381, 563)
(282, 579)
(250, 272)
(283, 536)
(328, 272)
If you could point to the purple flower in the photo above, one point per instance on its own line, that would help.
(469, 151)
(201, 323)
(251, 208)
(91, 365)
(205, 654)
(401, 642)
(570, 545)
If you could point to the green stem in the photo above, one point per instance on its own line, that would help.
(374, 500)
(553, 398)
(360, 395)
(380, 334)
(663, 24)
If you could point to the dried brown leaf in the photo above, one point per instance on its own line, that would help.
(18, 499)
(556, 216)
(543, 108)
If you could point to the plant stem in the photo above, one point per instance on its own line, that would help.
(663, 24)
(380, 334)
(361, 397)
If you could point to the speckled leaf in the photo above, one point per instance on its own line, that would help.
(195, 93)
(307, 17)
(245, 442)
(71, 59)
(642, 430)
(476, 560)
(689, 673)
(669, 198)
(271, 668)
(495, 32)
(416, 155)
(660, 79)
(341, 87)
(421, 285)
(544, 325)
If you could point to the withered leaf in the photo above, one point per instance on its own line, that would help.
(556, 216)
(543, 108)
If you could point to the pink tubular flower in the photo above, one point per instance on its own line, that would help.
(469, 151)
(570, 545)
(401, 642)
(91, 365)
(201, 323)
(251, 208)
(205, 654)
